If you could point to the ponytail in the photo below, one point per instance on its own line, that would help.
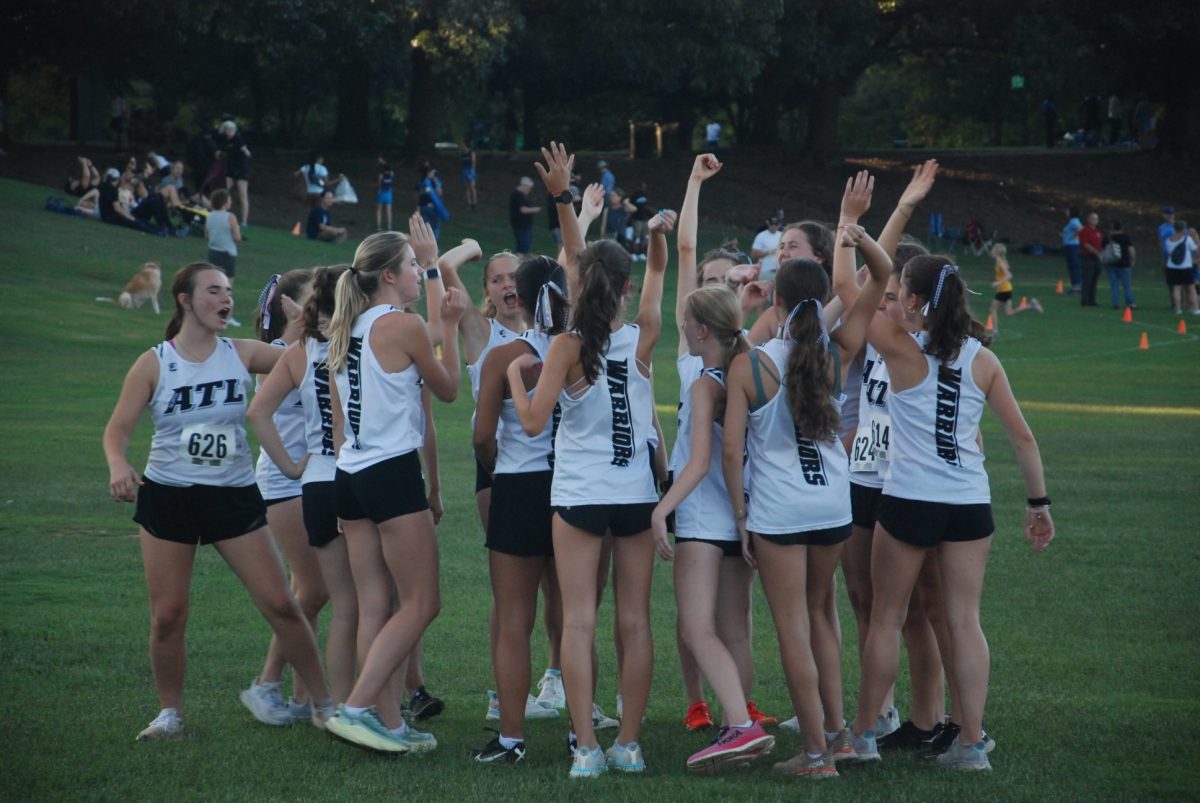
(541, 284)
(380, 252)
(322, 301)
(801, 284)
(948, 318)
(270, 320)
(604, 269)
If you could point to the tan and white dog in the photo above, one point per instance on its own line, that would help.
(143, 287)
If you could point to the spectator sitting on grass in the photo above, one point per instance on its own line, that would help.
(88, 180)
(318, 226)
(115, 205)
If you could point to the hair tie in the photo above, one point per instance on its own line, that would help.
(265, 298)
(787, 325)
(543, 316)
(942, 274)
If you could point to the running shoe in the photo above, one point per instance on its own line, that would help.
(496, 753)
(167, 725)
(965, 757)
(587, 762)
(417, 741)
(792, 725)
(299, 712)
(909, 737)
(322, 712)
(864, 748)
(732, 747)
(550, 690)
(840, 748)
(265, 702)
(698, 717)
(887, 722)
(600, 720)
(802, 765)
(365, 730)
(533, 709)
(948, 735)
(424, 705)
(626, 758)
(759, 716)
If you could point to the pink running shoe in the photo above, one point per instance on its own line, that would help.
(733, 746)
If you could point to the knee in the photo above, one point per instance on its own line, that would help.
(280, 607)
(168, 620)
(312, 601)
(695, 632)
(860, 599)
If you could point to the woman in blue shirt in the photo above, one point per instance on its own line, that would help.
(1070, 243)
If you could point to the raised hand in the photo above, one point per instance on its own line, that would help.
(663, 222)
(850, 235)
(741, 274)
(856, 200)
(422, 241)
(472, 249)
(454, 305)
(556, 175)
(920, 185)
(705, 167)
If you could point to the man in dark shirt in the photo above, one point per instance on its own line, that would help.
(520, 215)
(115, 212)
(318, 225)
(1121, 271)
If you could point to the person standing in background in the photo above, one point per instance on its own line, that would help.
(712, 136)
(470, 175)
(237, 166)
(1121, 270)
(520, 215)
(608, 181)
(1070, 246)
(1091, 241)
(1114, 119)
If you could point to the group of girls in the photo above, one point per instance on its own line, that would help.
(841, 428)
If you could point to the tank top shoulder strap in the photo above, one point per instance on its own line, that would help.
(756, 368)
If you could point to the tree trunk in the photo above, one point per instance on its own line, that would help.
(422, 96)
(533, 132)
(73, 115)
(353, 103)
(821, 142)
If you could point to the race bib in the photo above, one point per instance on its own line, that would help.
(881, 435)
(211, 445)
(862, 458)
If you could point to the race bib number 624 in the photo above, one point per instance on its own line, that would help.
(211, 445)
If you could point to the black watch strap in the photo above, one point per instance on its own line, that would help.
(563, 197)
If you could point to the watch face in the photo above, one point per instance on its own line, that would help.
(563, 197)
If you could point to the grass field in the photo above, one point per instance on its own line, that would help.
(1095, 644)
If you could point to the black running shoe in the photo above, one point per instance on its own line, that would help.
(941, 743)
(424, 705)
(496, 753)
(908, 737)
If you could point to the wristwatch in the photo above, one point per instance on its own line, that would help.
(563, 197)
(432, 273)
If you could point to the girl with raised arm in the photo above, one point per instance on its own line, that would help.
(782, 408)
(379, 358)
(937, 497)
(199, 485)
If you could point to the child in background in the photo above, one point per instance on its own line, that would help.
(383, 197)
(1004, 289)
(224, 234)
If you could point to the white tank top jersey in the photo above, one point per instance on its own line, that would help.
(516, 451)
(796, 484)
(289, 420)
(705, 513)
(868, 455)
(935, 453)
(318, 413)
(848, 417)
(199, 414)
(600, 454)
(382, 410)
(498, 336)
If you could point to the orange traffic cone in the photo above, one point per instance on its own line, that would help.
(1059, 288)
(296, 232)
(1024, 303)
(1144, 343)
(1182, 328)
(1128, 316)
(991, 323)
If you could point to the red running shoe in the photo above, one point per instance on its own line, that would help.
(758, 717)
(698, 717)
(734, 746)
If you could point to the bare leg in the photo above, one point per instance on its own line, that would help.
(734, 624)
(693, 678)
(856, 569)
(375, 591)
(784, 572)
(552, 615)
(255, 561)
(963, 566)
(340, 650)
(633, 571)
(933, 603)
(577, 558)
(826, 636)
(243, 188)
(514, 589)
(168, 579)
(924, 666)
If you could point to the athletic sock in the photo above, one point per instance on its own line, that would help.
(508, 743)
(400, 731)
(830, 736)
(815, 756)
(354, 711)
(747, 724)
(557, 673)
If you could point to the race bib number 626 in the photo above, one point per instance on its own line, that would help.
(211, 445)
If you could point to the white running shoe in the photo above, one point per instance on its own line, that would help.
(792, 724)
(322, 712)
(301, 712)
(550, 690)
(626, 758)
(167, 725)
(533, 709)
(887, 722)
(602, 721)
(588, 762)
(265, 702)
